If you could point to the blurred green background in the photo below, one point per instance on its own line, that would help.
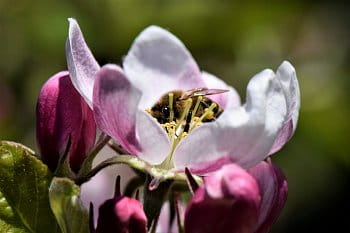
(232, 39)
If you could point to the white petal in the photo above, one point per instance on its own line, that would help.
(81, 63)
(245, 134)
(152, 138)
(287, 77)
(225, 100)
(286, 74)
(157, 63)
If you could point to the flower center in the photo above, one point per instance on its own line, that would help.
(180, 112)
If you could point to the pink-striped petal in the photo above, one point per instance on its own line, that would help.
(81, 63)
(116, 112)
(157, 63)
(115, 103)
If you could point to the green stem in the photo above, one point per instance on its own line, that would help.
(63, 167)
(87, 164)
(124, 159)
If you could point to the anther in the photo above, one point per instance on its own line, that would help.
(208, 111)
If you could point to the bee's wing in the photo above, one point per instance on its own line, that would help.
(201, 92)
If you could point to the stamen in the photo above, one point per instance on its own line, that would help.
(171, 101)
(177, 127)
(177, 136)
(188, 105)
(199, 99)
(207, 112)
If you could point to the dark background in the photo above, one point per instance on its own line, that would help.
(231, 39)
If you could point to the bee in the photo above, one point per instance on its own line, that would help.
(172, 105)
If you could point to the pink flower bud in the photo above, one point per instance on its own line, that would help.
(227, 203)
(274, 189)
(62, 114)
(121, 214)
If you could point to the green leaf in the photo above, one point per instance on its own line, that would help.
(9, 222)
(67, 207)
(24, 183)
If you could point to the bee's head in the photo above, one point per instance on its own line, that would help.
(161, 112)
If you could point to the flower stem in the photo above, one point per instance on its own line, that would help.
(125, 159)
(87, 164)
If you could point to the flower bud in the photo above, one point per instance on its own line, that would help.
(121, 214)
(62, 114)
(227, 203)
(273, 188)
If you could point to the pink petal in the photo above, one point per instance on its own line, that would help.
(62, 113)
(115, 103)
(244, 134)
(228, 203)
(121, 214)
(157, 63)
(226, 100)
(287, 77)
(274, 189)
(81, 63)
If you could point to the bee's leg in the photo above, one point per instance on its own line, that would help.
(188, 122)
(207, 105)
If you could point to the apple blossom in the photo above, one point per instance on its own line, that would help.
(159, 64)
